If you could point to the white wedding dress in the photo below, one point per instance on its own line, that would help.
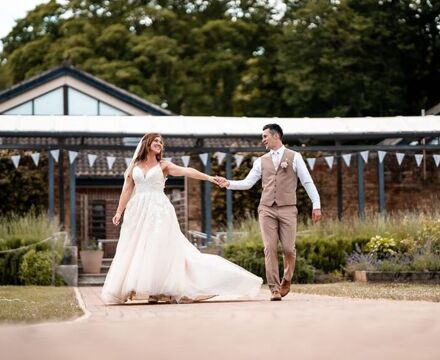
(153, 257)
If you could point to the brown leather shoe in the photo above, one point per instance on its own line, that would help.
(285, 287)
(276, 296)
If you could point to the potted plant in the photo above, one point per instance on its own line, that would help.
(91, 257)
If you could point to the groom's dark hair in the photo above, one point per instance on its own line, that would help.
(274, 128)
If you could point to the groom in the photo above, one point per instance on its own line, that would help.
(279, 170)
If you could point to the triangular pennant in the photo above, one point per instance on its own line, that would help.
(436, 159)
(55, 154)
(168, 158)
(92, 159)
(185, 160)
(16, 160)
(35, 158)
(238, 159)
(127, 161)
(381, 155)
(329, 160)
(364, 155)
(110, 161)
(311, 162)
(204, 158)
(419, 158)
(347, 159)
(220, 157)
(400, 157)
(254, 158)
(72, 156)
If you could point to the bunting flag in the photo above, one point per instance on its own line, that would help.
(436, 159)
(329, 160)
(55, 154)
(311, 162)
(168, 159)
(419, 158)
(110, 161)
(381, 155)
(92, 159)
(35, 158)
(220, 157)
(185, 160)
(347, 159)
(127, 161)
(254, 158)
(364, 155)
(400, 157)
(16, 160)
(238, 160)
(204, 158)
(72, 156)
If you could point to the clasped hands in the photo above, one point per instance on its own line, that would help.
(220, 181)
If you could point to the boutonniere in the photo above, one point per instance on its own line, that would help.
(284, 164)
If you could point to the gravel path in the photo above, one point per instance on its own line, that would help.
(299, 327)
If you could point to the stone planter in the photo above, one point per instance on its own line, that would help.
(429, 277)
(91, 261)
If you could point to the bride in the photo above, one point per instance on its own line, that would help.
(153, 258)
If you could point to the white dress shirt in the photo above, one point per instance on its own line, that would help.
(299, 166)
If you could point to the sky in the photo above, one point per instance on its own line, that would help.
(12, 10)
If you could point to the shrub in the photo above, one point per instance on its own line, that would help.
(250, 255)
(16, 232)
(35, 268)
(382, 247)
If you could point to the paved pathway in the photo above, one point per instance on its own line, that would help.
(299, 327)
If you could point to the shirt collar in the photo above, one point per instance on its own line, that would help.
(278, 151)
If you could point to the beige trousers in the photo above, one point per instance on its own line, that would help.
(278, 223)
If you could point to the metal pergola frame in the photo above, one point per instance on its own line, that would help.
(337, 150)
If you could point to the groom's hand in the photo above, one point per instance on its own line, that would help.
(316, 215)
(222, 182)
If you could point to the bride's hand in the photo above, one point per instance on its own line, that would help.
(116, 219)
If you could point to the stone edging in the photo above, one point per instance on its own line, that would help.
(432, 277)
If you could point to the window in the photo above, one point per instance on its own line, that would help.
(81, 104)
(50, 103)
(97, 220)
(23, 109)
(105, 109)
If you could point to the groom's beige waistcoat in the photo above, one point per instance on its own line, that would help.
(279, 186)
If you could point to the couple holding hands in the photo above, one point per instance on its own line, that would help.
(155, 260)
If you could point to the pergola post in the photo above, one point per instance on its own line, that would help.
(339, 184)
(61, 186)
(361, 194)
(207, 202)
(229, 196)
(72, 201)
(381, 185)
(51, 185)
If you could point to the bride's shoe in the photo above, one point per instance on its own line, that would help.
(153, 299)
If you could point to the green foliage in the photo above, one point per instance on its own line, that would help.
(221, 57)
(36, 268)
(18, 231)
(250, 255)
(382, 247)
(412, 247)
(23, 188)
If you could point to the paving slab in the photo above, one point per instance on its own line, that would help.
(299, 327)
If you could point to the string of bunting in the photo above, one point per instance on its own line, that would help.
(220, 156)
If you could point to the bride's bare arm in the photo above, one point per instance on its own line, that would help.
(176, 170)
(127, 189)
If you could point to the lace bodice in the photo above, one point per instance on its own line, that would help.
(152, 180)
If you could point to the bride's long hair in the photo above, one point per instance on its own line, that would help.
(147, 140)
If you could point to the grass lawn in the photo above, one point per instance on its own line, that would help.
(32, 304)
(373, 291)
